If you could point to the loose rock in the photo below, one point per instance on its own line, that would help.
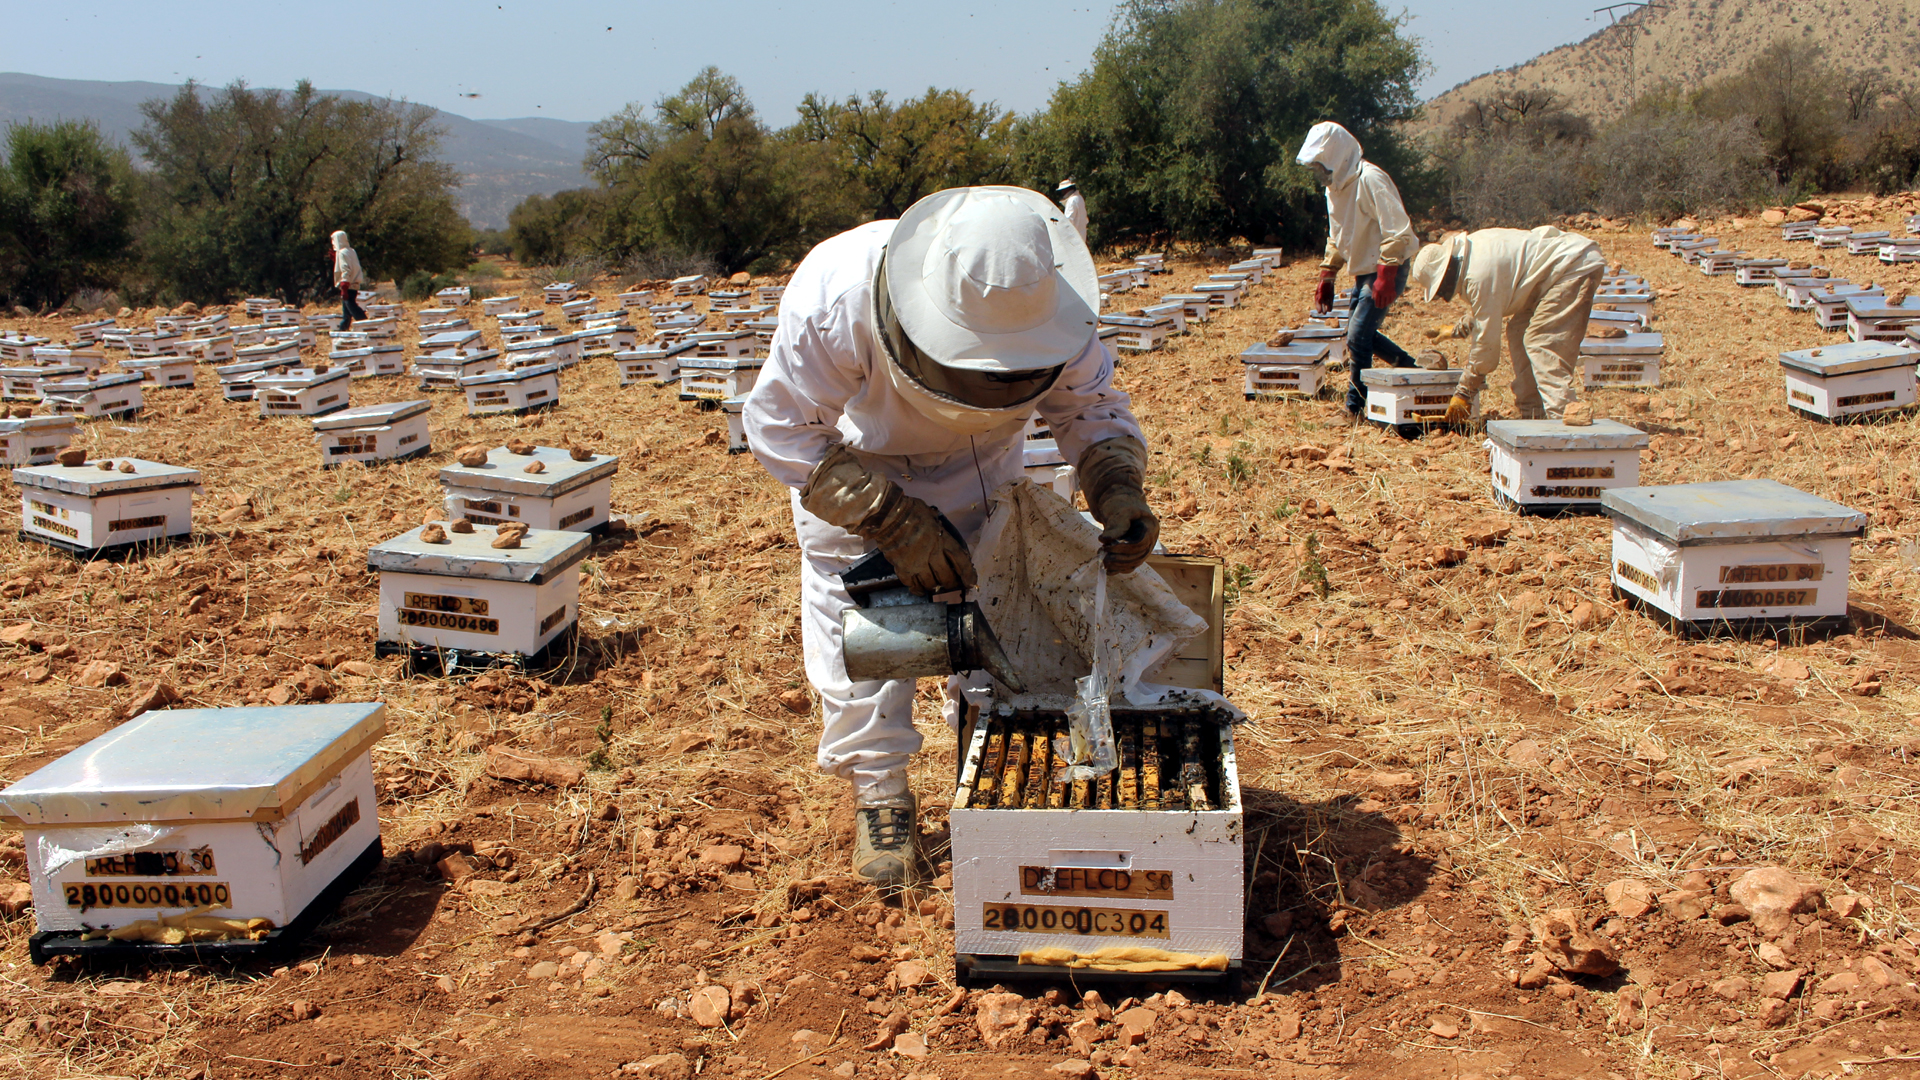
(1772, 896)
(1566, 944)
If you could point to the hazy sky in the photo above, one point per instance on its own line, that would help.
(582, 60)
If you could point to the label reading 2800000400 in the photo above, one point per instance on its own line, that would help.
(1099, 922)
(148, 894)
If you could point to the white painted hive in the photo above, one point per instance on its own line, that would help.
(1733, 551)
(1830, 303)
(371, 361)
(734, 407)
(252, 813)
(566, 495)
(1297, 368)
(170, 372)
(512, 390)
(724, 343)
(1871, 317)
(24, 383)
(217, 349)
(718, 377)
(390, 431)
(1850, 378)
(35, 440)
(1045, 465)
(559, 292)
(692, 285)
(82, 356)
(1139, 333)
(118, 395)
(302, 391)
(444, 372)
(653, 366)
(1398, 396)
(1756, 272)
(1196, 306)
(636, 299)
(1629, 361)
(84, 508)
(91, 331)
(1867, 243)
(468, 596)
(1549, 465)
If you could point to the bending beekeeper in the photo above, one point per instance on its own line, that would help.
(908, 358)
(1541, 285)
(1074, 205)
(1368, 233)
(347, 277)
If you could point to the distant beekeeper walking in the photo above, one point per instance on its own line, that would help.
(1368, 233)
(908, 358)
(348, 277)
(1074, 205)
(1541, 284)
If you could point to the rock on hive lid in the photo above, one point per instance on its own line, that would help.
(1554, 435)
(387, 412)
(197, 764)
(1731, 510)
(506, 472)
(91, 480)
(1848, 357)
(542, 554)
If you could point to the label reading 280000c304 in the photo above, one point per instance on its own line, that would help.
(1099, 922)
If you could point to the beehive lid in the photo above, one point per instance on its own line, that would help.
(387, 412)
(92, 481)
(1299, 353)
(48, 371)
(1840, 290)
(1181, 298)
(1805, 272)
(455, 360)
(506, 472)
(143, 362)
(655, 353)
(1397, 376)
(1849, 357)
(713, 337)
(1200, 583)
(21, 425)
(530, 344)
(176, 765)
(452, 337)
(118, 378)
(510, 375)
(542, 554)
(725, 363)
(1134, 321)
(1630, 317)
(1724, 510)
(1761, 264)
(1875, 306)
(300, 378)
(1554, 435)
(233, 372)
(1648, 344)
(1869, 235)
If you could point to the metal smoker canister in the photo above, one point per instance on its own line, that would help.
(894, 634)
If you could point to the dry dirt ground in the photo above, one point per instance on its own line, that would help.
(1461, 738)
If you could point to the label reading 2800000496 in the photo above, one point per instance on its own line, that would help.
(447, 620)
(1100, 922)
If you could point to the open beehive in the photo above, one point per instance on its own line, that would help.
(302, 391)
(35, 440)
(1411, 397)
(1733, 555)
(1148, 855)
(389, 431)
(1849, 379)
(1547, 466)
(565, 495)
(513, 390)
(465, 603)
(105, 505)
(1296, 368)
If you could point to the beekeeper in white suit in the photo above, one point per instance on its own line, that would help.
(1540, 285)
(1073, 204)
(908, 358)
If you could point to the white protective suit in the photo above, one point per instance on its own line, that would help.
(1367, 222)
(346, 263)
(1075, 209)
(1540, 284)
(825, 382)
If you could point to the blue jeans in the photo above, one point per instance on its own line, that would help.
(350, 308)
(1365, 341)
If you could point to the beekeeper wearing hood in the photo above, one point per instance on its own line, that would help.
(347, 277)
(1369, 234)
(1540, 283)
(1074, 205)
(908, 358)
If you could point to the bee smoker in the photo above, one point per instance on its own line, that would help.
(894, 634)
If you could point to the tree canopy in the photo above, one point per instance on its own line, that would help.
(66, 212)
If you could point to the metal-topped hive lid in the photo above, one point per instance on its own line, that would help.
(21, 425)
(229, 372)
(723, 363)
(509, 375)
(1297, 353)
(1875, 306)
(542, 554)
(1848, 357)
(451, 360)
(387, 412)
(1396, 376)
(81, 385)
(92, 481)
(1602, 434)
(197, 764)
(301, 378)
(1631, 345)
(506, 472)
(1731, 510)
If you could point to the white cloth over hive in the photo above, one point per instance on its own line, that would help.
(1367, 224)
(825, 382)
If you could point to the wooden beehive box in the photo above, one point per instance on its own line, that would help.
(1830, 303)
(677, 325)
(1637, 301)
(1798, 230)
(1832, 236)
(444, 371)
(236, 380)
(526, 332)
(1045, 465)
(724, 343)
(285, 351)
(87, 509)
(1798, 289)
(1545, 465)
(444, 326)
(298, 336)
(170, 372)
(728, 299)
(240, 814)
(1221, 294)
(154, 343)
(769, 294)
(611, 337)
(243, 336)
(256, 304)
(718, 377)
(691, 285)
(1254, 269)
(497, 306)
(1867, 243)
(463, 342)
(85, 357)
(1116, 282)
(1903, 250)
(284, 316)
(1153, 858)
(371, 361)
(512, 390)
(762, 330)
(118, 396)
(1196, 306)
(92, 329)
(302, 391)
(1690, 251)
(35, 440)
(654, 366)
(1138, 333)
(1664, 236)
(216, 349)
(379, 328)
(565, 348)
(390, 431)
(573, 309)
(735, 318)
(1757, 272)
(1849, 379)
(1870, 317)
(24, 383)
(1733, 555)
(734, 408)
(465, 603)
(454, 296)
(1410, 397)
(635, 300)
(1633, 360)
(1297, 369)
(1174, 313)
(559, 292)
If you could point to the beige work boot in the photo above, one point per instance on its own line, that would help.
(884, 840)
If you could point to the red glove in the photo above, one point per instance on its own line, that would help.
(1386, 285)
(1323, 293)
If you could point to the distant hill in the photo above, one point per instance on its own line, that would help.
(500, 162)
(1690, 42)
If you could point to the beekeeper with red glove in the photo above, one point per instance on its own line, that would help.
(1368, 233)
(1540, 284)
(908, 358)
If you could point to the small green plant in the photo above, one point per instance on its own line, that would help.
(1225, 425)
(1203, 455)
(343, 491)
(1239, 470)
(1313, 572)
(1238, 578)
(1284, 511)
(602, 758)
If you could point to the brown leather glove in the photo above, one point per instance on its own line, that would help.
(1459, 410)
(1113, 474)
(929, 559)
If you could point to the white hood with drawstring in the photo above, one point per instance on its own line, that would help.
(346, 264)
(1367, 222)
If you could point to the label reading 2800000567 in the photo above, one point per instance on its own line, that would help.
(1100, 922)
